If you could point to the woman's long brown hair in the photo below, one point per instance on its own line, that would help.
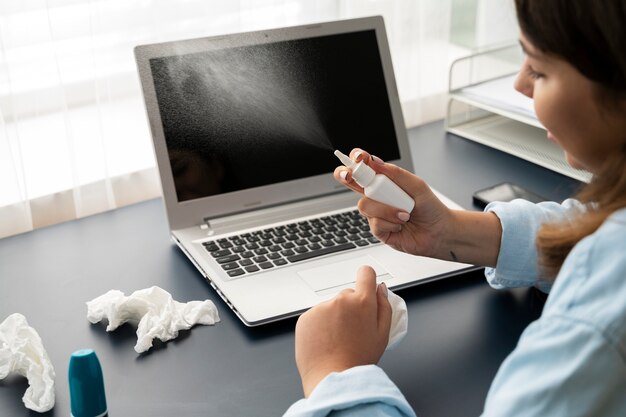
(591, 36)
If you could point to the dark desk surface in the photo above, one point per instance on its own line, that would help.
(459, 329)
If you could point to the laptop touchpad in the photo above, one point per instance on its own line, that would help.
(339, 274)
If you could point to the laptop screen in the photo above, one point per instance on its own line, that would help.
(243, 117)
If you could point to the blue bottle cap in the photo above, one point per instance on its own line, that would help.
(86, 385)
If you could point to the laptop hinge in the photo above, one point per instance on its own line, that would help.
(206, 227)
(276, 214)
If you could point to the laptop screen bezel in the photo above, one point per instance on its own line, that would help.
(194, 212)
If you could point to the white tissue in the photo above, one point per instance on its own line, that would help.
(399, 320)
(22, 352)
(157, 313)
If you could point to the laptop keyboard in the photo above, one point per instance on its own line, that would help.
(278, 246)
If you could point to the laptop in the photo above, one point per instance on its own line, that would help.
(244, 128)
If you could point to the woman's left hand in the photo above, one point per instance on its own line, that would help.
(350, 330)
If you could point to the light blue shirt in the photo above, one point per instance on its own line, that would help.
(570, 362)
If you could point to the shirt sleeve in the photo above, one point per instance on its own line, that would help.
(517, 261)
(359, 391)
(561, 367)
(572, 361)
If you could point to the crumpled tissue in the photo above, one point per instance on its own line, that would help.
(22, 352)
(159, 316)
(399, 320)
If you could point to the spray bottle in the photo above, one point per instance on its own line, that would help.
(87, 396)
(377, 186)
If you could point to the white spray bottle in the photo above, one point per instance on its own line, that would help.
(377, 186)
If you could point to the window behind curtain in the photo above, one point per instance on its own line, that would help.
(74, 138)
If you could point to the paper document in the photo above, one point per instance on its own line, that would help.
(501, 93)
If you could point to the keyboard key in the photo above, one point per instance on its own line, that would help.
(236, 272)
(301, 249)
(227, 259)
(266, 265)
(259, 259)
(287, 252)
(246, 262)
(252, 268)
(273, 256)
(361, 243)
(325, 251)
(261, 251)
(220, 253)
(279, 262)
(211, 247)
(247, 254)
(229, 266)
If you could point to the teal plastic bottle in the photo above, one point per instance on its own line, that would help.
(87, 395)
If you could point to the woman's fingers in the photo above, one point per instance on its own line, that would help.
(359, 155)
(344, 176)
(381, 228)
(372, 209)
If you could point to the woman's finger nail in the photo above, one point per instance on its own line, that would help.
(343, 175)
(383, 288)
(404, 216)
(377, 159)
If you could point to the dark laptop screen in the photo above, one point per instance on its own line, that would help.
(249, 116)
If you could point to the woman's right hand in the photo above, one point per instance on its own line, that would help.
(421, 232)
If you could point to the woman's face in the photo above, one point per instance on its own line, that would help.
(566, 104)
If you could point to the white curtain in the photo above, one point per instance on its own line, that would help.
(74, 138)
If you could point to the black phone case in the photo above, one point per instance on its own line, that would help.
(504, 192)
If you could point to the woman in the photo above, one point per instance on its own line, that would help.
(572, 361)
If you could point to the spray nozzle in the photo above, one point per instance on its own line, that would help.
(361, 173)
(345, 159)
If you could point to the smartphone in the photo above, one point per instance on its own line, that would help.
(505, 191)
